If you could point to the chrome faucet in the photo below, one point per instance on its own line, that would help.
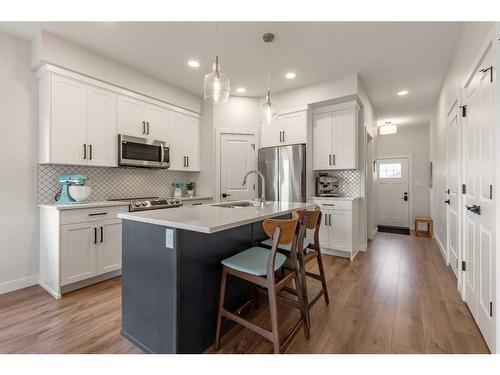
(262, 184)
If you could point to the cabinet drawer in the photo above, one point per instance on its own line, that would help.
(91, 214)
(335, 205)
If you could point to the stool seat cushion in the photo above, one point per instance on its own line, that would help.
(253, 261)
(286, 247)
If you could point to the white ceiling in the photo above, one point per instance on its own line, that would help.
(389, 56)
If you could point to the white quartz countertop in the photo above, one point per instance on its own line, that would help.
(76, 206)
(335, 198)
(211, 219)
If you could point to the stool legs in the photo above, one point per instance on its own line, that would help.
(221, 306)
(323, 278)
(274, 318)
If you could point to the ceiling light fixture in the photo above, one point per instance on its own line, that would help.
(290, 75)
(240, 90)
(388, 128)
(193, 63)
(403, 92)
(216, 85)
(268, 109)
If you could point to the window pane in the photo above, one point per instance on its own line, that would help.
(390, 170)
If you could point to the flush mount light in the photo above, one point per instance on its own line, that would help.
(290, 75)
(403, 92)
(241, 90)
(193, 63)
(388, 128)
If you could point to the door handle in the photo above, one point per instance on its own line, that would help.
(474, 209)
(102, 234)
(225, 195)
(447, 191)
(447, 201)
(95, 235)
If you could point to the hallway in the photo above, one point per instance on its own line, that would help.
(399, 297)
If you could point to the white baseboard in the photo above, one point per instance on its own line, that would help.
(24, 282)
(373, 234)
(441, 247)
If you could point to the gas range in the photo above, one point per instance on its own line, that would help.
(150, 203)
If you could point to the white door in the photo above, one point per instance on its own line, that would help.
(69, 122)
(78, 252)
(110, 246)
(131, 117)
(453, 192)
(322, 129)
(343, 153)
(238, 155)
(156, 121)
(102, 139)
(294, 127)
(393, 192)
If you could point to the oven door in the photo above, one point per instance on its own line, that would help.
(139, 152)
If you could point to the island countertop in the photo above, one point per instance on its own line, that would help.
(210, 218)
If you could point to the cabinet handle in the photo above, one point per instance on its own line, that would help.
(95, 235)
(84, 151)
(329, 159)
(144, 127)
(90, 152)
(326, 219)
(148, 126)
(184, 161)
(102, 234)
(284, 136)
(187, 157)
(330, 219)
(328, 204)
(333, 159)
(98, 213)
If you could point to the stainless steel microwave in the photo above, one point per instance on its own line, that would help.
(141, 152)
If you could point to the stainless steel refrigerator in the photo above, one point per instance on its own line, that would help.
(285, 170)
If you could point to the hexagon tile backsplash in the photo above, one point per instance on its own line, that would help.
(109, 183)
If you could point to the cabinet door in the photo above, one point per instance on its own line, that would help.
(341, 230)
(184, 140)
(102, 137)
(68, 121)
(324, 229)
(110, 245)
(192, 134)
(322, 129)
(294, 127)
(156, 118)
(78, 252)
(344, 139)
(131, 117)
(270, 134)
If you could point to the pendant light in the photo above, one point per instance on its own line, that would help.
(216, 84)
(388, 128)
(268, 108)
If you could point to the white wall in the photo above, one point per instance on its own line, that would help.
(472, 37)
(18, 150)
(54, 50)
(414, 141)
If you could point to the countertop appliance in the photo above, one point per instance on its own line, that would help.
(327, 186)
(284, 168)
(142, 152)
(67, 180)
(149, 203)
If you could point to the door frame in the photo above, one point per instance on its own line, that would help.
(218, 135)
(411, 223)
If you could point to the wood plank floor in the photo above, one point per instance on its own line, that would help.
(399, 297)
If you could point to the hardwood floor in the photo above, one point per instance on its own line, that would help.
(399, 297)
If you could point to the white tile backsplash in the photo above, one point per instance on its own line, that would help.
(349, 182)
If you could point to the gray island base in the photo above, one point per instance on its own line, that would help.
(171, 275)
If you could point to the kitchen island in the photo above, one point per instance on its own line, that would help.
(171, 270)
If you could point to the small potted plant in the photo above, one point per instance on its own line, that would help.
(190, 189)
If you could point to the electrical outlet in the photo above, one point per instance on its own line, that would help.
(169, 238)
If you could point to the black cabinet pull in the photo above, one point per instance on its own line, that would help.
(102, 234)
(148, 126)
(84, 151)
(90, 152)
(144, 127)
(98, 214)
(187, 157)
(95, 235)
(284, 136)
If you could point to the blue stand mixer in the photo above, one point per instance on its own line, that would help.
(66, 180)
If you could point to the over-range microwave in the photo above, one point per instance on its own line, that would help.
(141, 152)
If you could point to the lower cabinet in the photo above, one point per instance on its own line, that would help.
(339, 227)
(77, 248)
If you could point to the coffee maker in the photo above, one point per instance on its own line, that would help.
(327, 186)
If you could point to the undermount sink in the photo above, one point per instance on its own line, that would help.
(238, 204)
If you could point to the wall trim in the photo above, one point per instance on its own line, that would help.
(441, 247)
(373, 233)
(24, 282)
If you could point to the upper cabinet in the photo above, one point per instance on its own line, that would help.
(335, 137)
(287, 128)
(184, 141)
(77, 123)
(141, 119)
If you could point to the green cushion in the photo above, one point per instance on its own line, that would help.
(253, 261)
(286, 247)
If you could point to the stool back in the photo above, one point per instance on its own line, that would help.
(313, 218)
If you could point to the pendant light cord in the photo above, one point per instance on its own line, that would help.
(268, 68)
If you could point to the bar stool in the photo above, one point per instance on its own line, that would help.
(258, 265)
(310, 251)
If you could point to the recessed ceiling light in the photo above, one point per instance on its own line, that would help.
(241, 90)
(193, 63)
(290, 75)
(403, 92)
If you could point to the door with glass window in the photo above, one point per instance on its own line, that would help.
(393, 193)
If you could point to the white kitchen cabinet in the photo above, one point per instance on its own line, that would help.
(77, 123)
(184, 142)
(339, 226)
(287, 128)
(141, 119)
(335, 137)
(79, 246)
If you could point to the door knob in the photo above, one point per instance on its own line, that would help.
(225, 195)
(474, 209)
(447, 201)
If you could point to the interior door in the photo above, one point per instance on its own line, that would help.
(453, 192)
(238, 155)
(102, 127)
(393, 192)
(322, 129)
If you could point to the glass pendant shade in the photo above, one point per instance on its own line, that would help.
(268, 109)
(216, 85)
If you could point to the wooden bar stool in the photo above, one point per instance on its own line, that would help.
(258, 265)
(310, 251)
